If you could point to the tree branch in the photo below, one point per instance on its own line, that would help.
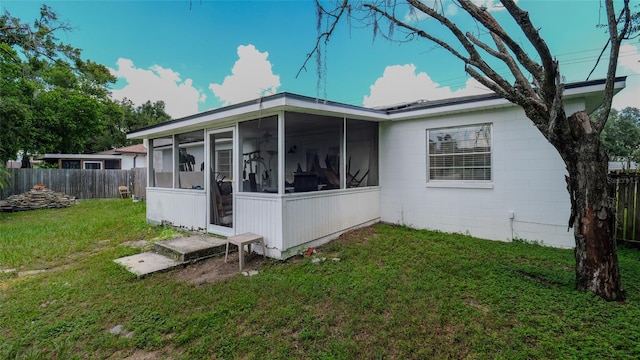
(325, 35)
(616, 41)
(418, 32)
(488, 21)
(474, 59)
(546, 76)
(502, 54)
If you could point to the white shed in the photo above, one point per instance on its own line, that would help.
(300, 171)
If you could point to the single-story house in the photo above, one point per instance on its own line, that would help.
(133, 156)
(300, 171)
(124, 158)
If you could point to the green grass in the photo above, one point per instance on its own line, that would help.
(395, 293)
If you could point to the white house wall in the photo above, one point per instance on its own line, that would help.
(527, 172)
(130, 161)
(182, 208)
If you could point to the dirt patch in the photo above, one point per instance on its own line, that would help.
(361, 235)
(215, 269)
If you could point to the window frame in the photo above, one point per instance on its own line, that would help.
(461, 183)
(228, 174)
(92, 162)
(65, 164)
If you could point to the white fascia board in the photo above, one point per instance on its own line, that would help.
(270, 106)
(256, 109)
(332, 109)
(252, 110)
(451, 109)
(571, 93)
(82, 156)
(591, 89)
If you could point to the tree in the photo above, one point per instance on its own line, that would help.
(16, 93)
(621, 135)
(537, 87)
(51, 100)
(124, 117)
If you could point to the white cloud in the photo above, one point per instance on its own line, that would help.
(629, 64)
(401, 83)
(450, 8)
(251, 77)
(491, 5)
(157, 83)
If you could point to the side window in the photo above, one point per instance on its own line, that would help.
(93, 165)
(461, 153)
(162, 162)
(71, 164)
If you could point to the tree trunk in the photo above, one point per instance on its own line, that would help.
(591, 214)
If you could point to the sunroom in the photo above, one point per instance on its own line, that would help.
(296, 171)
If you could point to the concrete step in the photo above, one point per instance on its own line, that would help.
(173, 253)
(191, 248)
(147, 263)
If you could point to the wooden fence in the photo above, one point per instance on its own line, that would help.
(103, 184)
(627, 206)
(83, 184)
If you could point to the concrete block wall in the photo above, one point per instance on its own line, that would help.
(526, 199)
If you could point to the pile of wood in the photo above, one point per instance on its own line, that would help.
(37, 198)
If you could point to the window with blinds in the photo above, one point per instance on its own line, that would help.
(461, 153)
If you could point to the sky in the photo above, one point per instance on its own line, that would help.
(200, 55)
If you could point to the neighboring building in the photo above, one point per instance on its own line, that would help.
(84, 161)
(123, 158)
(13, 164)
(134, 156)
(300, 171)
(622, 166)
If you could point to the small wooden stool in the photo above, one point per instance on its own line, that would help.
(240, 241)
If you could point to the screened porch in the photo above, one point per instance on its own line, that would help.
(295, 178)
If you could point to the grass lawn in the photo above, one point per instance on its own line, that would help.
(395, 293)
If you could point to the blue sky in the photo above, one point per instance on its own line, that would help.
(223, 52)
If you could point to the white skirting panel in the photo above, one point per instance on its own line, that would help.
(287, 223)
(324, 215)
(181, 208)
(260, 214)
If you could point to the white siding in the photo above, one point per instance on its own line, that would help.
(260, 214)
(528, 179)
(294, 221)
(183, 208)
(322, 216)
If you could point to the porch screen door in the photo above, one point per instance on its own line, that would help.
(221, 180)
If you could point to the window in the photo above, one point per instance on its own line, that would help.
(460, 153)
(112, 164)
(93, 165)
(191, 160)
(259, 151)
(224, 164)
(162, 162)
(362, 153)
(314, 144)
(70, 164)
